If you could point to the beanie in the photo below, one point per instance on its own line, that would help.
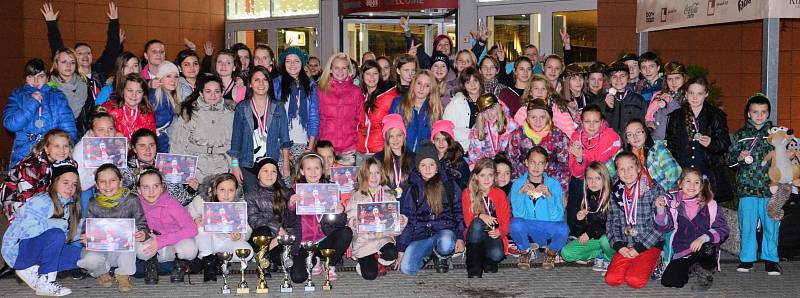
(166, 68)
(439, 57)
(445, 126)
(426, 150)
(393, 121)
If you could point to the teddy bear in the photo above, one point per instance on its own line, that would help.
(783, 172)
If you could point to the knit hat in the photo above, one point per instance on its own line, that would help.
(674, 68)
(426, 150)
(62, 167)
(166, 68)
(261, 162)
(574, 69)
(597, 67)
(293, 51)
(445, 126)
(393, 121)
(617, 66)
(486, 101)
(540, 104)
(439, 57)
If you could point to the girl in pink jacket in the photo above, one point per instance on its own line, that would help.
(339, 102)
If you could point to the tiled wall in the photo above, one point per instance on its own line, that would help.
(23, 27)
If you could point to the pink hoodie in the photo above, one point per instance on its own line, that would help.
(170, 219)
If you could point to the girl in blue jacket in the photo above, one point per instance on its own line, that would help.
(420, 108)
(298, 93)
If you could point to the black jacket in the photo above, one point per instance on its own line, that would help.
(105, 63)
(259, 213)
(632, 106)
(594, 225)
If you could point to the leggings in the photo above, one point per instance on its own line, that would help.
(369, 264)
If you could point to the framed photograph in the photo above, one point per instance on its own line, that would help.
(345, 177)
(99, 151)
(219, 217)
(176, 168)
(317, 198)
(382, 217)
(110, 234)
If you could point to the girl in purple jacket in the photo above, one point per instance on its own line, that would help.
(698, 226)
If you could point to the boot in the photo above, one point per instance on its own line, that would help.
(178, 271)
(151, 271)
(210, 268)
(490, 267)
(105, 280)
(524, 260)
(474, 262)
(442, 265)
(704, 278)
(549, 259)
(124, 283)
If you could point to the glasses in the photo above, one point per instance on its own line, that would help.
(634, 133)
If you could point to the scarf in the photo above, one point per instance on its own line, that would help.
(75, 90)
(690, 205)
(297, 104)
(536, 137)
(109, 201)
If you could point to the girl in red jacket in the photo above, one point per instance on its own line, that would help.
(487, 215)
(130, 108)
(378, 99)
(337, 98)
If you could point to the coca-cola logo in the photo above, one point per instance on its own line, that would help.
(744, 3)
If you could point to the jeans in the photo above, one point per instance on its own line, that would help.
(522, 230)
(443, 243)
(482, 249)
(49, 251)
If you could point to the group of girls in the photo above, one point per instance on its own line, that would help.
(564, 159)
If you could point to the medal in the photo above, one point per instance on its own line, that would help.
(630, 231)
(629, 202)
(612, 91)
(697, 136)
(748, 159)
(39, 123)
(399, 192)
(398, 172)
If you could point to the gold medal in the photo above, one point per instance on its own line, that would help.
(630, 231)
(399, 192)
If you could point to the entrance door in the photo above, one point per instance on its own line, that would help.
(384, 36)
(299, 32)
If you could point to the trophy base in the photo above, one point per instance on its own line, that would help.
(310, 289)
(286, 290)
(262, 291)
(327, 288)
(225, 291)
(243, 291)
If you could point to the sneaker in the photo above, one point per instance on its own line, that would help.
(524, 260)
(773, 268)
(559, 260)
(598, 265)
(105, 280)
(513, 250)
(47, 285)
(78, 273)
(582, 262)
(317, 270)
(358, 268)
(490, 267)
(29, 276)
(745, 267)
(332, 273)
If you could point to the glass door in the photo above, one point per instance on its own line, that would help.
(384, 36)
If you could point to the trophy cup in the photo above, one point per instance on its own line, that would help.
(225, 257)
(286, 241)
(242, 253)
(327, 253)
(262, 262)
(309, 247)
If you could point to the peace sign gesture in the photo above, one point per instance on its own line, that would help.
(404, 23)
(565, 40)
(412, 50)
(500, 52)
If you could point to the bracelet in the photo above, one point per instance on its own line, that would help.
(235, 163)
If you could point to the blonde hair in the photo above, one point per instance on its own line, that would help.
(475, 193)
(53, 67)
(602, 170)
(480, 126)
(435, 108)
(174, 97)
(325, 80)
(53, 133)
(363, 174)
(74, 207)
(552, 99)
(471, 56)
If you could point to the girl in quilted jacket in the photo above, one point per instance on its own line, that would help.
(338, 102)
(538, 130)
(378, 95)
(130, 108)
(698, 227)
(492, 130)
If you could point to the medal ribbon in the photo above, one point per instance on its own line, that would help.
(630, 207)
(398, 171)
(134, 114)
(260, 119)
(379, 198)
(753, 144)
(487, 203)
(494, 139)
(586, 201)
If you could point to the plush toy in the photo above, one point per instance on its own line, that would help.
(782, 172)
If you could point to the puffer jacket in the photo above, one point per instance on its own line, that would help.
(22, 111)
(34, 219)
(630, 106)
(421, 223)
(751, 179)
(259, 211)
(207, 135)
(365, 244)
(31, 176)
(557, 145)
(459, 112)
(339, 110)
(370, 126)
(600, 147)
(164, 115)
(128, 207)
(128, 128)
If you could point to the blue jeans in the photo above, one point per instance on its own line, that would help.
(49, 251)
(751, 211)
(522, 230)
(443, 243)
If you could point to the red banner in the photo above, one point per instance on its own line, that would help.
(352, 6)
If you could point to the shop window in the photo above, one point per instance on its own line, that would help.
(304, 38)
(285, 8)
(251, 38)
(514, 32)
(582, 29)
(255, 9)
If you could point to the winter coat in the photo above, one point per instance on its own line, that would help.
(712, 122)
(167, 217)
(594, 224)
(129, 206)
(511, 99)
(128, 128)
(600, 147)
(661, 166)
(488, 146)
(500, 208)
(339, 110)
(370, 126)
(33, 219)
(207, 135)
(104, 64)
(419, 128)
(659, 116)
(259, 211)
(716, 230)
(29, 177)
(459, 112)
(164, 115)
(751, 179)
(310, 121)
(631, 106)
(545, 208)
(647, 235)
(21, 114)
(365, 244)
(557, 145)
(561, 119)
(242, 145)
(647, 89)
(422, 224)
(457, 170)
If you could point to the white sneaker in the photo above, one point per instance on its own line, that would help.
(29, 276)
(47, 285)
(598, 265)
(317, 270)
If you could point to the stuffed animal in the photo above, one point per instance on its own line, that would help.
(782, 172)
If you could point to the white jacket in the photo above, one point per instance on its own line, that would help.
(458, 112)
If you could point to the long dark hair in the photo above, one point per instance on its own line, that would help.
(372, 98)
(218, 180)
(287, 80)
(244, 73)
(265, 72)
(188, 106)
(455, 153)
(119, 68)
(648, 140)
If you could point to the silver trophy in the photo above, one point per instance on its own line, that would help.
(286, 241)
(310, 247)
(225, 257)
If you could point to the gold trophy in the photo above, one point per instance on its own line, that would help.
(286, 241)
(225, 257)
(262, 262)
(242, 253)
(309, 247)
(327, 253)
